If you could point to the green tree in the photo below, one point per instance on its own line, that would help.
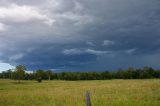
(9, 73)
(39, 74)
(130, 73)
(49, 74)
(20, 71)
(106, 75)
(147, 72)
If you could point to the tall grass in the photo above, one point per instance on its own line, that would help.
(71, 93)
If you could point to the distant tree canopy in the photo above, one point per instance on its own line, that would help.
(20, 72)
(49, 74)
(130, 73)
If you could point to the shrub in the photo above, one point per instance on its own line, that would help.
(39, 79)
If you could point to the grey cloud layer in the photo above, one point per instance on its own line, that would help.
(80, 34)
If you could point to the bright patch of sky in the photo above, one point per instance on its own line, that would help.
(5, 66)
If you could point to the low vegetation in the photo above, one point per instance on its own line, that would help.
(143, 88)
(71, 93)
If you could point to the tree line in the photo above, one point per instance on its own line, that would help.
(39, 75)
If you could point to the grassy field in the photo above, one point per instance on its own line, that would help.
(71, 93)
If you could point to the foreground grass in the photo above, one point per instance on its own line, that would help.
(71, 93)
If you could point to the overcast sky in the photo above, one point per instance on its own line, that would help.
(81, 35)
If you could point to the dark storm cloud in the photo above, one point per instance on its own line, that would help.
(80, 34)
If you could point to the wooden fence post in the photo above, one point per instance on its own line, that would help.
(88, 98)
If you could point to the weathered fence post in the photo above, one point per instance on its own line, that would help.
(88, 98)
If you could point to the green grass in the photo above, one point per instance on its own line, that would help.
(71, 93)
